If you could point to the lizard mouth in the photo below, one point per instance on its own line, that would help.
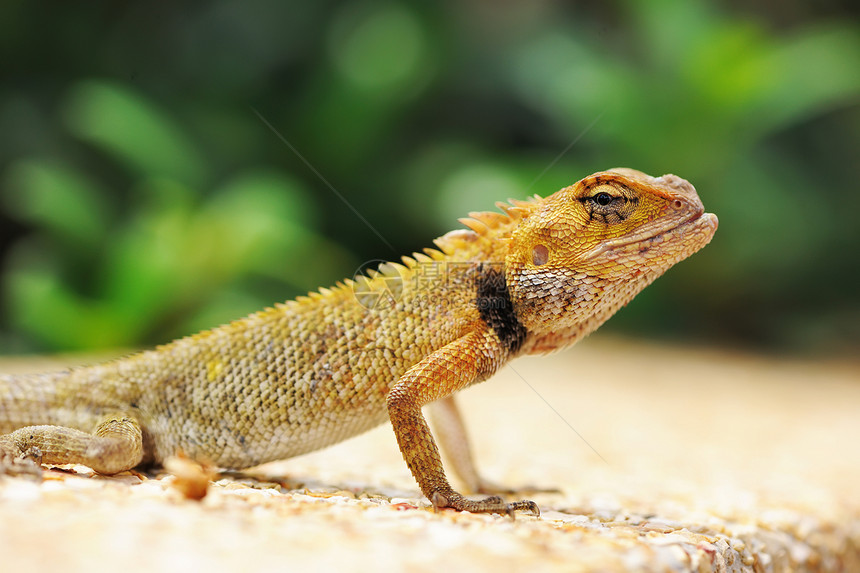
(697, 229)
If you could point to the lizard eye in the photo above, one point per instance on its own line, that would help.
(603, 198)
(609, 205)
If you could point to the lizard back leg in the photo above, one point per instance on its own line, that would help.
(115, 445)
(453, 439)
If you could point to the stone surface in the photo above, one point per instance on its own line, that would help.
(667, 459)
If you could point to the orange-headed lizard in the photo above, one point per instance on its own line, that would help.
(327, 366)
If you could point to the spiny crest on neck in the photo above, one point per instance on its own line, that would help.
(485, 225)
(458, 243)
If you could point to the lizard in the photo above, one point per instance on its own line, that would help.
(532, 278)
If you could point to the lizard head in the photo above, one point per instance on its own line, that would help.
(584, 251)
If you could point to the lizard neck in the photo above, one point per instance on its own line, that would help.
(575, 305)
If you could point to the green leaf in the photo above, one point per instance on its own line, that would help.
(58, 198)
(137, 133)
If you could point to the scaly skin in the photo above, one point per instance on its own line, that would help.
(325, 367)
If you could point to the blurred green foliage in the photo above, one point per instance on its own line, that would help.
(143, 198)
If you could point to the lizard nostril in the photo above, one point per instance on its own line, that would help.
(677, 203)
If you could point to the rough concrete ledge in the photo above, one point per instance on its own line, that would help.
(713, 462)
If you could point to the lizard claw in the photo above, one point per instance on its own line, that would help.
(525, 505)
(27, 464)
(492, 504)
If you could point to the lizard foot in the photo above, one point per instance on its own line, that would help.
(24, 464)
(493, 504)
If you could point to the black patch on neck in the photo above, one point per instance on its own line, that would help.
(496, 308)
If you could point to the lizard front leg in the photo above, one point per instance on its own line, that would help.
(451, 368)
(116, 444)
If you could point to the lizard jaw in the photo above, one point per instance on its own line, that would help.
(697, 221)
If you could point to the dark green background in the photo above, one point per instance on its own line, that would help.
(143, 195)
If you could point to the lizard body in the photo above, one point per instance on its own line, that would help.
(319, 369)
